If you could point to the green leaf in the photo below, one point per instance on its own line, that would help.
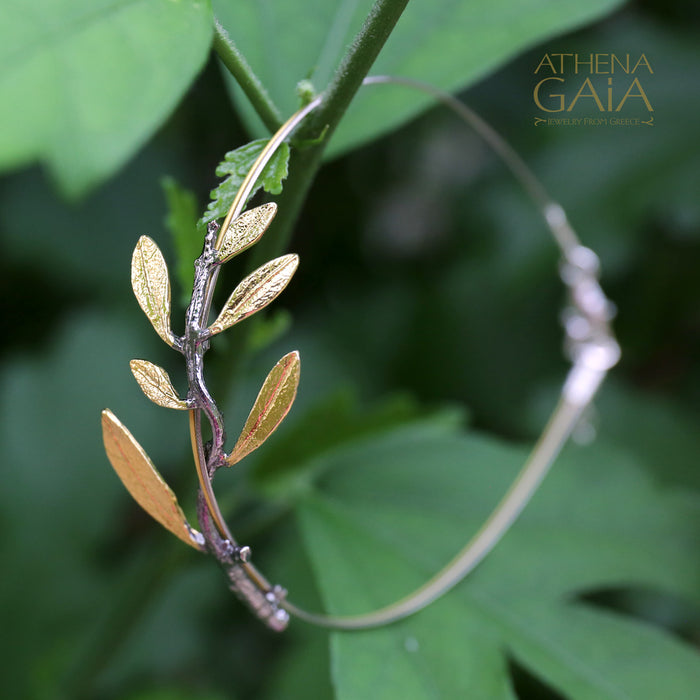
(86, 83)
(181, 221)
(236, 165)
(337, 420)
(390, 512)
(448, 43)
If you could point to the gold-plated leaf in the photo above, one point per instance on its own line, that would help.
(256, 291)
(246, 230)
(151, 285)
(143, 481)
(156, 384)
(272, 405)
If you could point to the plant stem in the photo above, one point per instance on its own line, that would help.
(254, 90)
(345, 83)
(306, 162)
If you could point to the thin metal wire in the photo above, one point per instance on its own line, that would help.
(259, 165)
(564, 235)
(200, 464)
(593, 354)
(502, 517)
(248, 184)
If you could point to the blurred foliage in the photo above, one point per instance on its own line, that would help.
(427, 285)
(85, 83)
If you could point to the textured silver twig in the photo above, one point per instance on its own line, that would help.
(244, 580)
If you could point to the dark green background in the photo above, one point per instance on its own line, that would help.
(425, 274)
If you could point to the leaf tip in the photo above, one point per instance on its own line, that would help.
(289, 264)
(269, 208)
(107, 416)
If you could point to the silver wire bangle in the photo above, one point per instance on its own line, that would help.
(589, 344)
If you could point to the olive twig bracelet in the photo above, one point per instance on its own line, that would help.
(589, 342)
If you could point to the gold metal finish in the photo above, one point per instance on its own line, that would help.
(143, 481)
(239, 201)
(246, 230)
(204, 480)
(155, 383)
(272, 405)
(151, 285)
(256, 291)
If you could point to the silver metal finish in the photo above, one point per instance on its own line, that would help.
(589, 343)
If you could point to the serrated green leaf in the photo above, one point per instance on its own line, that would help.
(85, 83)
(181, 221)
(236, 165)
(391, 512)
(450, 44)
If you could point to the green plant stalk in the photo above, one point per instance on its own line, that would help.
(306, 162)
(347, 80)
(238, 67)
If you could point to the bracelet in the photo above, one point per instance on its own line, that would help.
(589, 344)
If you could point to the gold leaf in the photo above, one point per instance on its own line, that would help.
(256, 291)
(143, 481)
(272, 405)
(156, 384)
(246, 230)
(151, 285)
